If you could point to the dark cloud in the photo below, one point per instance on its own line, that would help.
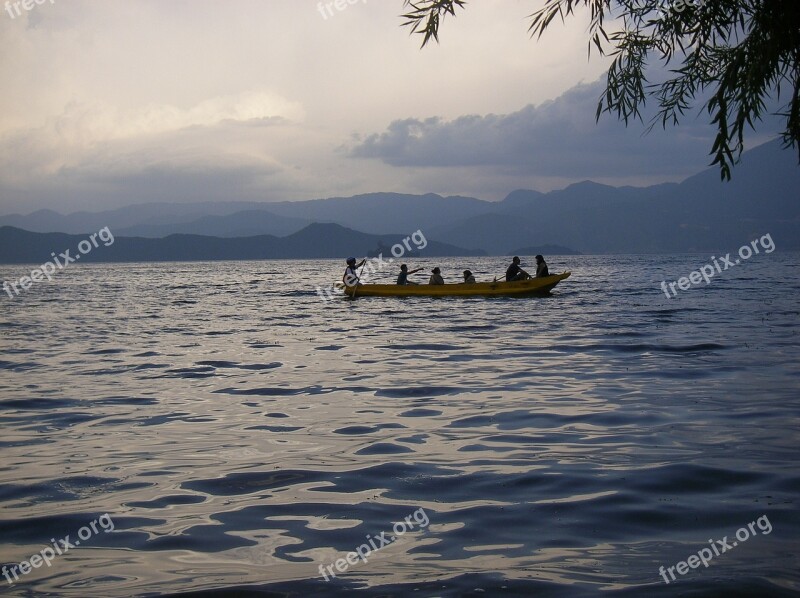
(556, 138)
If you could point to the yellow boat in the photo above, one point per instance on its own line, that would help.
(532, 286)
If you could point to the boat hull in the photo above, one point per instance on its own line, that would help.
(534, 286)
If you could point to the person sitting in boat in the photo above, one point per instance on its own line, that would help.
(436, 277)
(350, 277)
(541, 267)
(514, 272)
(403, 276)
(468, 277)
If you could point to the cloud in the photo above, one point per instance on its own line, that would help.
(88, 138)
(95, 122)
(209, 154)
(218, 179)
(556, 138)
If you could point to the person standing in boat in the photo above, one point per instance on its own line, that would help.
(436, 277)
(468, 277)
(402, 278)
(350, 277)
(541, 267)
(514, 272)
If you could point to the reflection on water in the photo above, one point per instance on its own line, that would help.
(241, 432)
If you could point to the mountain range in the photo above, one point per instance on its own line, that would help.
(701, 213)
(19, 246)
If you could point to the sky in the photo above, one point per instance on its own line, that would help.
(117, 102)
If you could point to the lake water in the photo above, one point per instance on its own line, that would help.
(238, 432)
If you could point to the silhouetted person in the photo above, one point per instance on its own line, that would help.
(350, 277)
(541, 267)
(468, 277)
(436, 277)
(514, 272)
(402, 278)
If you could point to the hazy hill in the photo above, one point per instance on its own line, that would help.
(376, 213)
(381, 213)
(145, 214)
(576, 217)
(18, 246)
(248, 223)
(700, 214)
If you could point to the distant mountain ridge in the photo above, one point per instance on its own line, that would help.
(247, 223)
(699, 214)
(19, 246)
